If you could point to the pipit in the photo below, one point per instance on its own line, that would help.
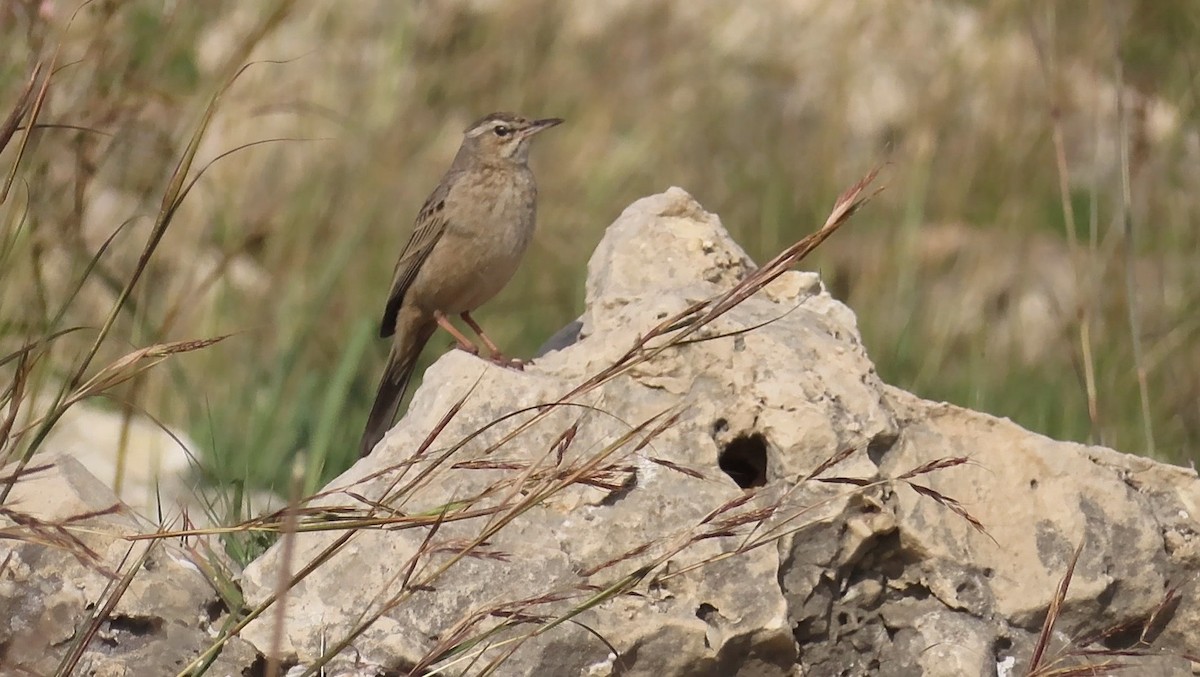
(467, 242)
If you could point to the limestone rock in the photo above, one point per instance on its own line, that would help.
(67, 550)
(156, 463)
(667, 511)
(149, 468)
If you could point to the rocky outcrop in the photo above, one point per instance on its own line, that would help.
(148, 467)
(68, 573)
(650, 481)
(744, 497)
(151, 469)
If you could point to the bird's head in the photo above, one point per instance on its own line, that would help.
(504, 136)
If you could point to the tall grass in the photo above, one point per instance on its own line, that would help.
(288, 246)
(158, 197)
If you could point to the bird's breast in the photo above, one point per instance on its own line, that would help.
(490, 221)
(498, 208)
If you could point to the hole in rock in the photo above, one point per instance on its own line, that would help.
(214, 609)
(719, 426)
(134, 626)
(259, 667)
(881, 444)
(1123, 639)
(745, 460)
(705, 611)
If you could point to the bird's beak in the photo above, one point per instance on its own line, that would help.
(539, 125)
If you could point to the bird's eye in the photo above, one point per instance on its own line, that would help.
(501, 130)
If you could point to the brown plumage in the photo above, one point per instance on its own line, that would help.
(467, 242)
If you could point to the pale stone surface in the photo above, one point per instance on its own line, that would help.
(875, 580)
(136, 458)
(1064, 497)
(48, 593)
(150, 468)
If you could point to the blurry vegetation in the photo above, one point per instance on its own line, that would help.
(289, 245)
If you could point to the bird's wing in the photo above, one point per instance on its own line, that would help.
(429, 227)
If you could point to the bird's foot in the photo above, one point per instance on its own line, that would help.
(507, 362)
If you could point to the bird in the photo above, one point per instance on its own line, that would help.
(468, 239)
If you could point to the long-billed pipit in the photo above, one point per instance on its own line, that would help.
(466, 244)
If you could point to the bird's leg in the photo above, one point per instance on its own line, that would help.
(464, 343)
(497, 356)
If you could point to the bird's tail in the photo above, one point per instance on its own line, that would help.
(401, 362)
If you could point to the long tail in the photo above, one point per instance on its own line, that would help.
(406, 348)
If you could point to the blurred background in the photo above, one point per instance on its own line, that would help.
(1034, 255)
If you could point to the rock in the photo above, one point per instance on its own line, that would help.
(1068, 500)
(63, 552)
(149, 467)
(662, 521)
(136, 458)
